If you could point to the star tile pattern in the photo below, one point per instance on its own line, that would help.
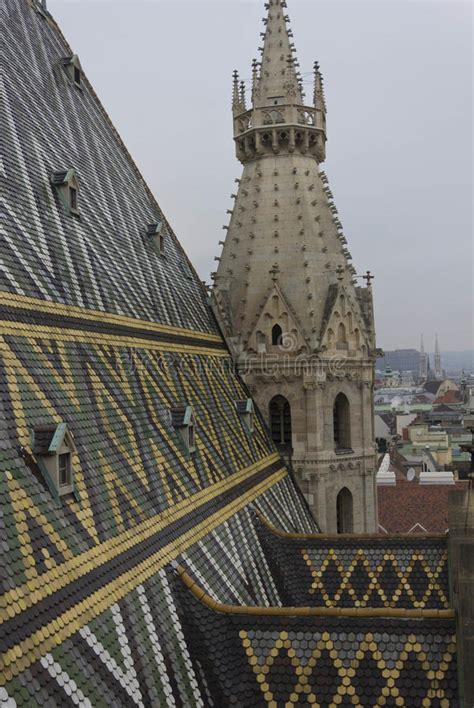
(258, 660)
(372, 572)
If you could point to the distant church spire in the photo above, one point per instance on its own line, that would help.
(424, 365)
(437, 360)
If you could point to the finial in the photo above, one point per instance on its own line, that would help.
(274, 272)
(235, 91)
(368, 277)
(242, 95)
(254, 77)
(318, 97)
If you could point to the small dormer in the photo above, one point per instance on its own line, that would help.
(245, 411)
(53, 448)
(182, 419)
(73, 69)
(156, 232)
(66, 184)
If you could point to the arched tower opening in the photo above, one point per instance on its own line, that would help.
(345, 511)
(276, 334)
(280, 422)
(342, 422)
(341, 333)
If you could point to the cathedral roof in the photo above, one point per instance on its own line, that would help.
(126, 469)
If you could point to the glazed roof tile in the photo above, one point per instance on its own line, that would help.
(102, 334)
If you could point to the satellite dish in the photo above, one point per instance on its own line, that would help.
(411, 474)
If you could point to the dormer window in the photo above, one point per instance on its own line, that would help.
(72, 67)
(53, 448)
(66, 184)
(182, 419)
(156, 231)
(246, 412)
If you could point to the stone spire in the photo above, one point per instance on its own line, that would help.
(284, 210)
(279, 78)
(278, 120)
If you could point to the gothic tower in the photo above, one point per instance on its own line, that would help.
(423, 372)
(437, 361)
(298, 321)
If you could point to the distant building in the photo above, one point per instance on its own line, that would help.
(413, 498)
(400, 360)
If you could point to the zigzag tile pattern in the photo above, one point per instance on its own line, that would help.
(268, 661)
(361, 572)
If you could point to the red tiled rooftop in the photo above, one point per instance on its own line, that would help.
(449, 397)
(411, 507)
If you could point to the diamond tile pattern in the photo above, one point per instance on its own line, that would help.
(288, 661)
(372, 572)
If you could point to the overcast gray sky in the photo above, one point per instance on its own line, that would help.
(398, 82)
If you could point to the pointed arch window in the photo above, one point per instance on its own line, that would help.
(280, 421)
(342, 423)
(345, 511)
(277, 334)
(341, 333)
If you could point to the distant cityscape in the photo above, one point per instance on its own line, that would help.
(454, 363)
(423, 406)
